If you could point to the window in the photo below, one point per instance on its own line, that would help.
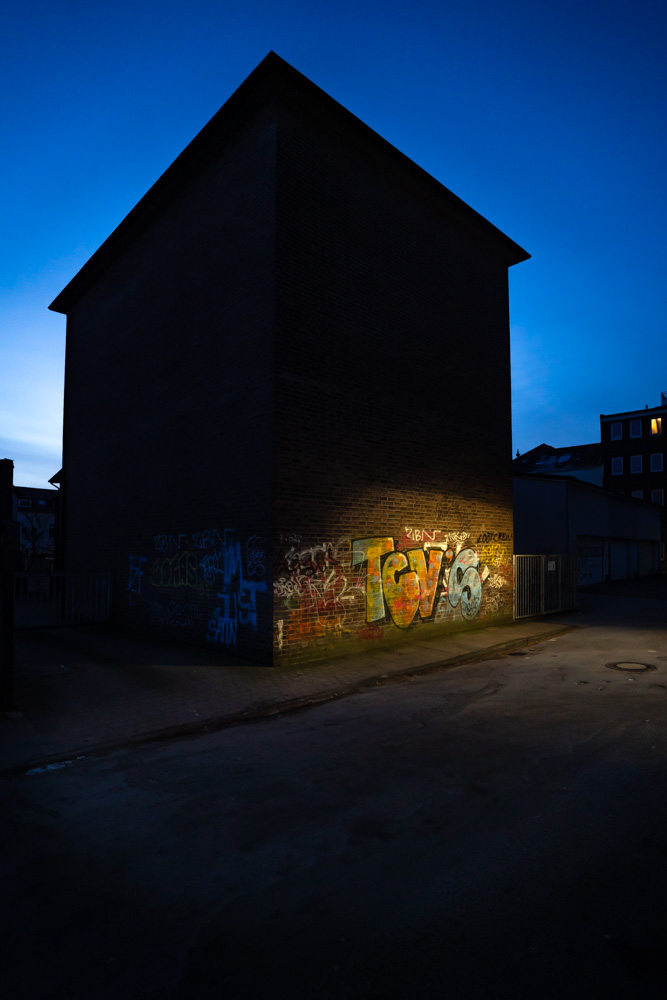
(639, 494)
(616, 430)
(658, 496)
(635, 463)
(617, 466)
(656, 462)
(635, 428)
(25, 503)
(656, 425)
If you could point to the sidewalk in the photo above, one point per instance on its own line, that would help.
(86, 691)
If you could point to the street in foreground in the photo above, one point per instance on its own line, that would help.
(495, 828)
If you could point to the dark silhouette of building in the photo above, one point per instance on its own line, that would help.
(582, 461)
(287, 391)
(614, 537)
(634, 457)
(634, 452)
(35, 511)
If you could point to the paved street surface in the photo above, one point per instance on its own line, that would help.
(494, 828)
(82, 691)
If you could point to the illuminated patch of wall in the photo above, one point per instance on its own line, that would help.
(359, 587)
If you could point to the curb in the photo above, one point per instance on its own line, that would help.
(268, 710)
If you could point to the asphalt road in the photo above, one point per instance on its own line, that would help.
(492, 829)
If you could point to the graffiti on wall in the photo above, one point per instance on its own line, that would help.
(208, 580)
(403, 585)
(357, 586)
(316, 589)
(136, 574)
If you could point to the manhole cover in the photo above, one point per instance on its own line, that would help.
(630, 665)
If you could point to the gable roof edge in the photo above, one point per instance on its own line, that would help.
(249, 98)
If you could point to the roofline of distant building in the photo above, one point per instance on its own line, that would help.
(37, 489)
(582, 482)
(272, 75)
(633, 413)
(565, 447)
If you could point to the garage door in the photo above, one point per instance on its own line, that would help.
(590, 563)
(619, 563)
(648, 558)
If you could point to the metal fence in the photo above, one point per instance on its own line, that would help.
(43, 600)
(544, 585)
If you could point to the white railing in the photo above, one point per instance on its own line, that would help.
(544, 585)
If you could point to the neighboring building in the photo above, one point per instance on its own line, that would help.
(6, 489)
(614, 537)
(635, 456)
(273, 434)
(635, 453)
(583, 461)
(35, 510)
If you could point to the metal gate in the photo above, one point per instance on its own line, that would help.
(49, 600)
(544, 585)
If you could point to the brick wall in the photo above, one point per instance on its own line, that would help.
(168, 409)
(650, 427)
(393, 507)
(287, 407)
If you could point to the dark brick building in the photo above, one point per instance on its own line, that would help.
(634, 456)
(287, 393)
(633, 450)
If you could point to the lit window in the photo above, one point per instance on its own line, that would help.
(658, 496)
(639, 494)
(617, 466)
(616, 430)
(635, 463)
(635, 428)
(656, 462)
(656, 425)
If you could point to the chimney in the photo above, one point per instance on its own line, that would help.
(6, 489)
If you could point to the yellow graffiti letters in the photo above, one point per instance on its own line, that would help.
(398, 581)
(371, 550)
(428, 578)
(401, 589)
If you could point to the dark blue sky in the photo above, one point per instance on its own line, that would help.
(547, 117)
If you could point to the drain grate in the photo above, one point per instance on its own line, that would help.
(630, 665)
